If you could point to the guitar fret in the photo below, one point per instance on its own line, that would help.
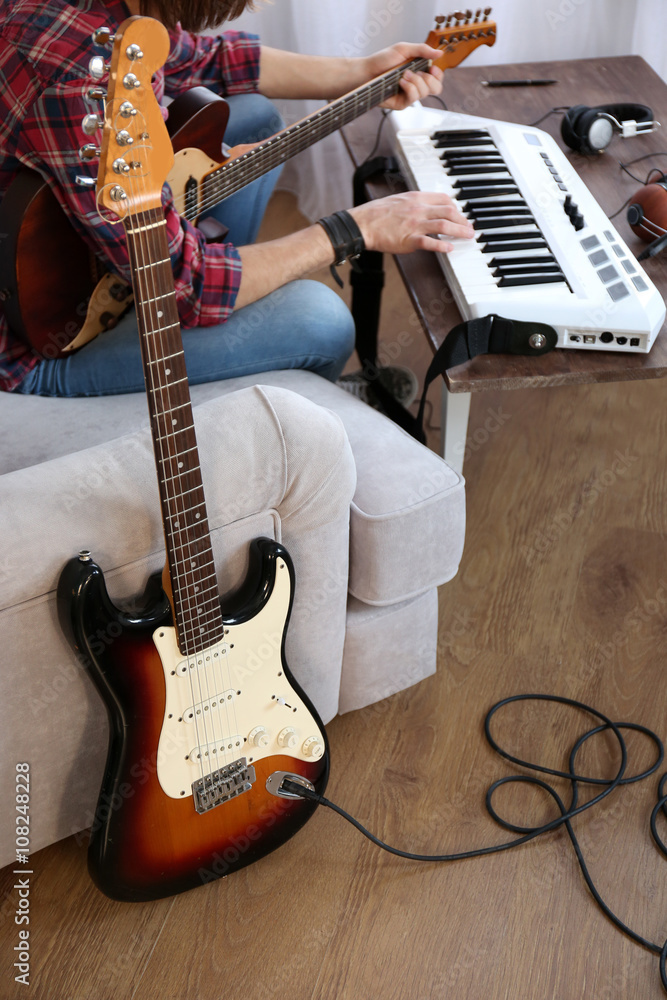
(144, 267)
(145, 229)
(184, 493)
(166, 357)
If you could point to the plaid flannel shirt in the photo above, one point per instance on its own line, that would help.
(45, 47)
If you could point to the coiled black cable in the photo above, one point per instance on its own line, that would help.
(567, 813)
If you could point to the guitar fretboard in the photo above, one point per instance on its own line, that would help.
(189, 553)
(237, 173)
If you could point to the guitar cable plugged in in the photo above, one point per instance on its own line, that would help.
(293, 786)
(286, 785)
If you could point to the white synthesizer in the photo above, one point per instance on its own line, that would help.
(544, 250)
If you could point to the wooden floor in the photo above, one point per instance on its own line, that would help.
(562, 589)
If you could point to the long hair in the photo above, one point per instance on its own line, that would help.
(195, 15)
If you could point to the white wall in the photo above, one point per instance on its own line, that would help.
(528, 30)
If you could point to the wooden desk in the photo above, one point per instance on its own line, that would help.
(591, 81)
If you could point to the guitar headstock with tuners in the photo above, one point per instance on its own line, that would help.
(459, 33)
(136, 153)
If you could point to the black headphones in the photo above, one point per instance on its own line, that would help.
(590, 130)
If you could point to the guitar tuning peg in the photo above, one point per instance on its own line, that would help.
(85, 182)
(96, 94)
(88, 152)
(103, 37)
(468, 16)
(478, 14)
(97, 67)
(91, 123)
(440, 18)
(487, 12)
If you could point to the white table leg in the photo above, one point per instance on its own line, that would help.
(455, 409)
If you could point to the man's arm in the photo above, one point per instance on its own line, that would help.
(291, 75)
(397, 224)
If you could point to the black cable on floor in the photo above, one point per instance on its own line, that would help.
(567, 813)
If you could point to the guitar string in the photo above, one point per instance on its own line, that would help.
(212, 704)
(155, 384)
(292, 140)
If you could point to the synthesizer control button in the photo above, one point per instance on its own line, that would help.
(597, 258)
(563, 187)
(618, 250)
(639, 284)
(610, 236)
(607, 274)
(618, 292)
(590, 242)
(629, 266)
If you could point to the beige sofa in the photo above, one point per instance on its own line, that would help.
(374, 523)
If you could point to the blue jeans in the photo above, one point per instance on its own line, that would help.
(304, 324)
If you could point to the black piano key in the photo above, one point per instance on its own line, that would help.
(473, 184)
(471, 157)
(501, 272)
(505, 223)
(462, 165)
(497, 213)
(468, 192)
(502, 261)
(457, 171)
(461, 133)
(464, 143)
(471, 154)
(512, 247)
(532, 279)
(475, 204)
(499, 237)
(469, 151)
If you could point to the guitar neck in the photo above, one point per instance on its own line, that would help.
(237, 173)
(195, 599)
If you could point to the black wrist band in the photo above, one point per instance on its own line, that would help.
(346, 239)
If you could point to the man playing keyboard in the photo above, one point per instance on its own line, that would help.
(244, 307)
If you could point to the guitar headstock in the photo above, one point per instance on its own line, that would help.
(136, 153)
(459, 33)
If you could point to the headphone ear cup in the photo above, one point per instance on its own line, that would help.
(593, 138)
(569, 126)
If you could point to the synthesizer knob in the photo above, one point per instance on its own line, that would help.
(313, 747)
(259, 736)
(287, 737)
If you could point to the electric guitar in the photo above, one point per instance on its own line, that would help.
(203, 729)
(57, 315)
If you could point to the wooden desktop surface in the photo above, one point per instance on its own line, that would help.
(589, 81)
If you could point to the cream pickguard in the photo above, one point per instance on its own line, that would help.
(232, 700)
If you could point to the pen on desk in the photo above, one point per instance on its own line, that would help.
(517, 83)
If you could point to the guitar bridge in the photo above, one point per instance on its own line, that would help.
(221, 785)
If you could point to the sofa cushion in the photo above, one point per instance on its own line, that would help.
(408, 511)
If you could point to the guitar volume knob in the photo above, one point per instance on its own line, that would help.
(287, 737)
(313, 747)
(259, 736)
